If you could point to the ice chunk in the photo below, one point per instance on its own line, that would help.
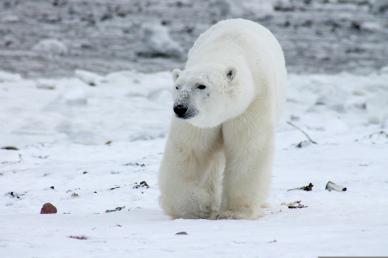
(89, 78)
(51, 47)
(157, 42)
(9, 77)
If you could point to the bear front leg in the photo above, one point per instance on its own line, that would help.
(181, 192)
(249, 152)
(189, 172)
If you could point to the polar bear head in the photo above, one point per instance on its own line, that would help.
(209, 95)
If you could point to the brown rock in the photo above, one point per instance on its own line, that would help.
(48, 208)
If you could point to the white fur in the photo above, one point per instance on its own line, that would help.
(217, 164)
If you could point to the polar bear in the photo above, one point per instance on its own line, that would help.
(218, 156)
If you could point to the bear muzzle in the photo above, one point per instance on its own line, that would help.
(183, 111)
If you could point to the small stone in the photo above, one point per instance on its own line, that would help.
(303, 144)
(142, 184)
(79, 237)
(181, 233)
(115, 209)
(9, 148)
(295, 205)
(48, 208)
(74, 195)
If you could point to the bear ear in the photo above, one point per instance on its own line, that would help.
(175, 74)
(231, 73)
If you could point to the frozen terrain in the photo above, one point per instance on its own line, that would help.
(87, 142)
(54, 37)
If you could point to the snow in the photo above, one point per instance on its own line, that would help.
(50, 47)
(156, 41)
(6, 77)
(10, 19)
(85, 147)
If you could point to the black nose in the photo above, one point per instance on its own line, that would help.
(180, 110)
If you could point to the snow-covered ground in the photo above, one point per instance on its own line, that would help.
(86, 143)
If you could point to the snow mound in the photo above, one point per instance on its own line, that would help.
(75, 94)
(10, 19)
(157, 42)
(51, 47)
(89, 78)
(9, 77)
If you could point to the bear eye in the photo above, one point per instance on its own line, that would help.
(177, 87)
(201, 87)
